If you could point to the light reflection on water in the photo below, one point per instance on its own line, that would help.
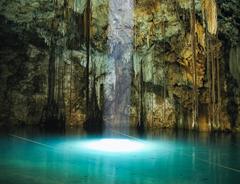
(170, 158)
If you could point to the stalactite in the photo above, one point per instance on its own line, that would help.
(164, 71)
(139, 96)
(234, 68)
(51, 114)
(213, 86)
(94, 119)
(59, 79)
(62, 84)
(153, 60)
(141, 123)
(195, 89)
(87, 40)
(139, 82)
(209, 7)
(60, 88)
(57, 87)
(51, 74)
(70, 90)
(207, 51)
(218, 92)
(141, 117)
(54, 112)
(209, 13)
(209, 78)
(93, 100)
(214, 83)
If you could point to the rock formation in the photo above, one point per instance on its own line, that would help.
(185, 59)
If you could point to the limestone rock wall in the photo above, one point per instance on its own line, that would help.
(162, 59)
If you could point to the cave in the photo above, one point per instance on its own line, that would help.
(119, 91)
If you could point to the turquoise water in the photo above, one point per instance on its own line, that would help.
(28, 157)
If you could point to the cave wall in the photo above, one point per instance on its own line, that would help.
(162, 49)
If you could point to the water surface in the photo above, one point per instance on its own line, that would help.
(33, 157)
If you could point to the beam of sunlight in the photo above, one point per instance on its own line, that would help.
(119, 64)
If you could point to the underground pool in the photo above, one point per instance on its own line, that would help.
(27, 157)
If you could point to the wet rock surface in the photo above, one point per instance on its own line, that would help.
(162, 63)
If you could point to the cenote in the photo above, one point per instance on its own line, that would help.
(119, 91)
(31, 156)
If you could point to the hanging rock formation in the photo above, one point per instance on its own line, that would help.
(162, 65)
